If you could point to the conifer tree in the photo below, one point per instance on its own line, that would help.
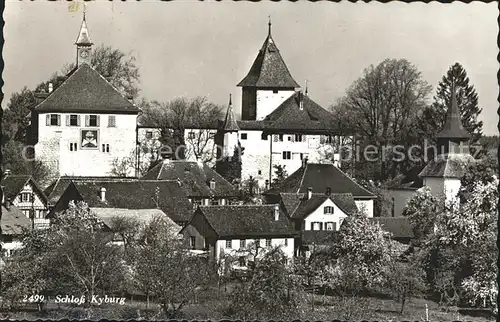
(467, 100)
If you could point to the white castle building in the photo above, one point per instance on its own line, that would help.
(280, 124)
(85, 125)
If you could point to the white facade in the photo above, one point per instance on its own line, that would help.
(269, 100)
(446, 188)
(9, 247)
(27, 200)
(365, 206)
(237, 250)
(319, 220)
(400, 198)
(62, 146)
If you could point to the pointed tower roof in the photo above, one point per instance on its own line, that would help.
(83, 36)
(269, 69)
(230, 123)
(453, 128)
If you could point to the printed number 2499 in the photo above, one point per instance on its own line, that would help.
(34, 298)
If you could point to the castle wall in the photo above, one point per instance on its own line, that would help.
(62, 146)
(269, 100)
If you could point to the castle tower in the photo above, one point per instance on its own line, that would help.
(83, 44)
(267, 84)
(230, 129)
(444, 172)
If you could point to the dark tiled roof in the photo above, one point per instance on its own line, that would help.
(138, 194)
(13, 221)
(290, 116)
(249, 221)
(57, 188)
(399, 227)
(269, 69)
(305, 207)
(453, 128)
(13, 184)
(86, 91)
(408, 181)
(320, 177)
(195, 178)
(142, 215)
(447, 165)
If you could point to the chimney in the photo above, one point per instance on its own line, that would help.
(301, 101)
(212, 183)
(267, 184)
(309, 192)
(328, 191)
(103, 194)
(51, 87)
(276, 212)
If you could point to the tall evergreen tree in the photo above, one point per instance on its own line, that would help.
(467, 100)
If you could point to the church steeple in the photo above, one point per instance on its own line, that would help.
(83, 43)
(230, 124)
(453, 134)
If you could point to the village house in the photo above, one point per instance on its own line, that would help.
(83, 125)
(239, 231)
(167, 196)
(25, 194)
(13, 223)
(115, 219)
(324, 178)
(443, 173)
(202, 185)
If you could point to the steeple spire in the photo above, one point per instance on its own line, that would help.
(453, 128)
(269, 24)
(230, 124)
(83, 42)
(83, 36)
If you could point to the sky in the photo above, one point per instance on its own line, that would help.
(191, 48)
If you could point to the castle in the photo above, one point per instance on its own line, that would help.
(85, 123)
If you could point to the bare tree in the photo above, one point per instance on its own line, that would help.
(384, 104)
(181, 114)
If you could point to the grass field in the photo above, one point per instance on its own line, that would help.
(325, 308)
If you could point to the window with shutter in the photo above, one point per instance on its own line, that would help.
(78, 120)
(47, 119)
(98, 120)
(87, 120)
(73, 120)
(67, 120)
(93, 120)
